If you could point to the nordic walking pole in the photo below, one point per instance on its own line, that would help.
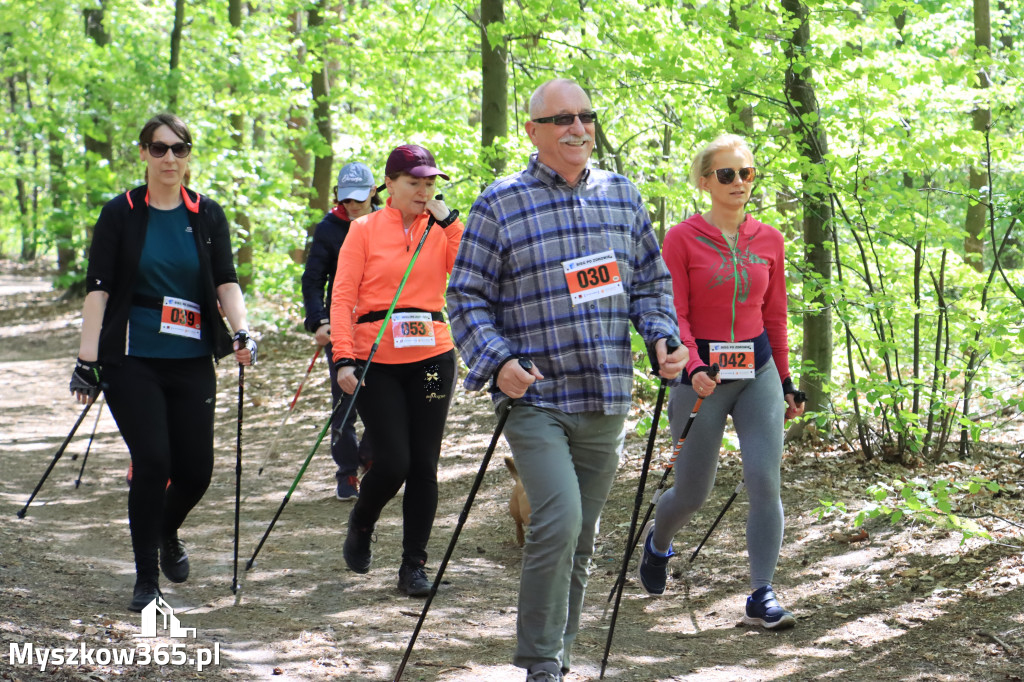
(664, 477)
(799, 397)
(270, 456)
(737, 491)
(242, 338)
(652, 436)
(351, 398)
(99, 411)
(60, 451)
(302, 470)
(506, 408)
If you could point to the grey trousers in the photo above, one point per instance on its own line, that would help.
(567, 463)
(758, 410)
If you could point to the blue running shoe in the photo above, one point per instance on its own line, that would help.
(653, 568)
(765, 610)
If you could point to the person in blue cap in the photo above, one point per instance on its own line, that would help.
(355, 196)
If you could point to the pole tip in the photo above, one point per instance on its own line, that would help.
(21, 513)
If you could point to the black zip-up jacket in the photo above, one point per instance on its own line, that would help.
(114, 254)
(321, 266)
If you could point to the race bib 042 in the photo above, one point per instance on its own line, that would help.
(735, 360)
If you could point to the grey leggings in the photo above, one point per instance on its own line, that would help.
(757, 407)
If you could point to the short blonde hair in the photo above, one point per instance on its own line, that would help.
(701, 165)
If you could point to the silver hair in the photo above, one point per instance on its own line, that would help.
(537, 98)
(701, 164)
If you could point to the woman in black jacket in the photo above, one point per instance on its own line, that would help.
(160, 263)
(355, 196)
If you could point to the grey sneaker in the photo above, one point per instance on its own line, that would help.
(653, 568)
(547, 671)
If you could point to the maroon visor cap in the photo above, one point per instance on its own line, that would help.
(414, 160)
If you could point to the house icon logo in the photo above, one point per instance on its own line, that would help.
(170, 621)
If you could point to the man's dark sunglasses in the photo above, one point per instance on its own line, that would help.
(567, 119)
(726, 176)
(179, 149)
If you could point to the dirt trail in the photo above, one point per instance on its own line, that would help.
(909, 604)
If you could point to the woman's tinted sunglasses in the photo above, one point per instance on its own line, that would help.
(727, 176)
(179, 149)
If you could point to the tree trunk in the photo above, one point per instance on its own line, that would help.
(320, 199)
(174, 74)
(981, 119)
(743, 124)
(813, 144)
(494, 90)
(20, 143)
(243, 226)
(99, 107)
(60, 221)
(298, 122)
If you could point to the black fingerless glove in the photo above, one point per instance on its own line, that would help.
(86, 378)
(452, 217)
(246, 341)
(344, 362)
(799, 397)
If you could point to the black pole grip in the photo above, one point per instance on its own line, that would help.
(671, 344)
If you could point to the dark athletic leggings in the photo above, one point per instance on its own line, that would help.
(164, 410)
(404, 408)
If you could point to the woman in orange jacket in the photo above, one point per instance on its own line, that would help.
(404, 401)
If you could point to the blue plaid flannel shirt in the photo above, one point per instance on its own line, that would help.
(508, 294)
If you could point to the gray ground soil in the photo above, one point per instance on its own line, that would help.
(908, 603)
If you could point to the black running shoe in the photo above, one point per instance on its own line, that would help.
(412, 580)
(146, 590)
(356, 550)
(174, 559)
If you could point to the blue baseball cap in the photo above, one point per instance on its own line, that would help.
(355, 182)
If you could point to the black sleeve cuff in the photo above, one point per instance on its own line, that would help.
(787, 386)
(703, 368)
(452, 217)
(345, 362)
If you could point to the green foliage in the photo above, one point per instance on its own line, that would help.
(936, 502)
(924, 344)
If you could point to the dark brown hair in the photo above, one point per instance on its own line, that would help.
(168, 119)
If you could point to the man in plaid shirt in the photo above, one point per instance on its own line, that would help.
(555, 262)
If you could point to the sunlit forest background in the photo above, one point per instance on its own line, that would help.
(887, 136)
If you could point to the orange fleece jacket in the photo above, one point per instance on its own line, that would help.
(371, 264)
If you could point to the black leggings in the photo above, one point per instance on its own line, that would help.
(404, 408)
(164, 410)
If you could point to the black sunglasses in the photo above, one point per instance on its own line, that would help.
(567, 119)
(179, 149)
(726, 176)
